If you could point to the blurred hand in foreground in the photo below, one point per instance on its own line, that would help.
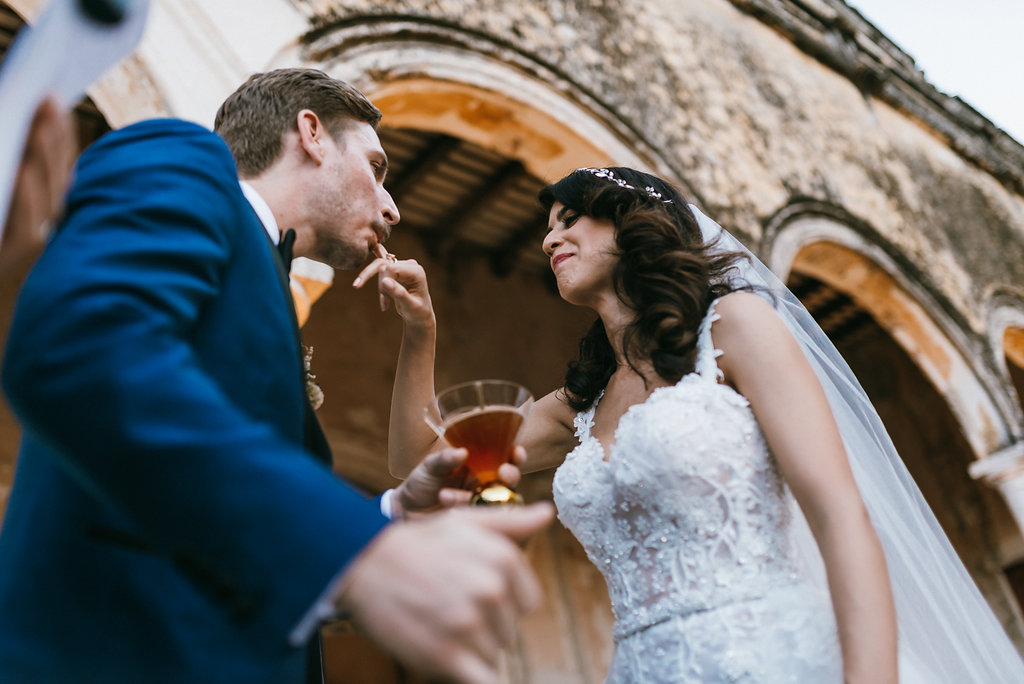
(444, 592)
(39, 188)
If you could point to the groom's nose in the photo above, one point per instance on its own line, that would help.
(389, 210)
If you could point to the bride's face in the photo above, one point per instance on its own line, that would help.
(582, 253)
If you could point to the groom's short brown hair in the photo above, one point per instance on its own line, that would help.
(254, 119)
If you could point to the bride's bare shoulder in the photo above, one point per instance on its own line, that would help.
(744, 310)
(747, 322)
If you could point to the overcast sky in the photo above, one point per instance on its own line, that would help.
(970, 48)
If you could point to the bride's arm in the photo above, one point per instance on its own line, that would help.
(763, 361)
(548, 433)
(404, 283)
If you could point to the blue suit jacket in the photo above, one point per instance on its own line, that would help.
(166, 522)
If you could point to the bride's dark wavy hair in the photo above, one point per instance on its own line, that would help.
(665, 273)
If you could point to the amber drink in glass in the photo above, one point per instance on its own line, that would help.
(483, 417)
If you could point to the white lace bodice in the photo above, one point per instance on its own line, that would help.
(688, 521)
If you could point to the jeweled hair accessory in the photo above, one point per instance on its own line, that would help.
(608, 175)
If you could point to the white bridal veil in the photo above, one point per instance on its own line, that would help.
(947, 632)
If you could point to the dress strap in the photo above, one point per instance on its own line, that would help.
(584, 420)
(707, 355)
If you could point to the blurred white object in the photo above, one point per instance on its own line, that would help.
(71, 45)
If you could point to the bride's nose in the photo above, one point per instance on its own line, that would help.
(550, 243)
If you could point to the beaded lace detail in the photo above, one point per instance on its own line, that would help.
(688, 521)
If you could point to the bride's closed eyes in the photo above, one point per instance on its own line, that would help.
(566, 217)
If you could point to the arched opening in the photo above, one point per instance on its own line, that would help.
(465, 166)
(470, 216)
(856, 303)
(827, 250)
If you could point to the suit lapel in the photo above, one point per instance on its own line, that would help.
(313, 437)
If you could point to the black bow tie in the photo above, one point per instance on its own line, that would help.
(284, 248)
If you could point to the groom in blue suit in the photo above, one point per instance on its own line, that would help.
(174, 517)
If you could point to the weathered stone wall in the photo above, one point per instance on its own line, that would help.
(751, 123)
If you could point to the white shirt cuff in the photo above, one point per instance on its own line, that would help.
(385, 504)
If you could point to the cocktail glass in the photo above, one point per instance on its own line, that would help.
(483, 417)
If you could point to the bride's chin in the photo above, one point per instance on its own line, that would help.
(569, 296)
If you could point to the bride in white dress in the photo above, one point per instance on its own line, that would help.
(712, 452)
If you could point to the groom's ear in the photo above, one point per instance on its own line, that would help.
(312, 135)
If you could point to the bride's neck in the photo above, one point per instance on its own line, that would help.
(615, 330)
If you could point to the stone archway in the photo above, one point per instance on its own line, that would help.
(441, 77)
(941, 417)
(837, 255)
(928, 438)
(491, 323)
(493, 320)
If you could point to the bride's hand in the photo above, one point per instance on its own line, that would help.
(403, 282)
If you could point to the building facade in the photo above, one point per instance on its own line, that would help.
(895, 212)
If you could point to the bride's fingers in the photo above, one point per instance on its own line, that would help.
(370, 270)
(401, 291)
(388, 283)
(387, 279)
(389, 288)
